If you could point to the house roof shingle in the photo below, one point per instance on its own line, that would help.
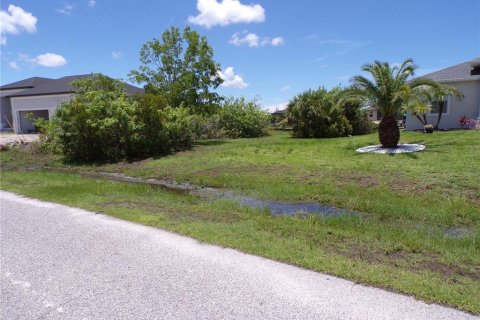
(62, 85)
(459, 72)
(26, 83)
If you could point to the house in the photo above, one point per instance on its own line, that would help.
(466, 78)
(37, 98)
(373, 114)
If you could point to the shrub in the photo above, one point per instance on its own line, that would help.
(209, 127)
(102, 123)
(463, 121)
(316, 114)
(358, 118)
(163, 129)
(240, 118)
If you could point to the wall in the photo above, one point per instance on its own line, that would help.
(6, 108)
(469, 106)
(46, 102)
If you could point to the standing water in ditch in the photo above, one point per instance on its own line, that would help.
(276, 208)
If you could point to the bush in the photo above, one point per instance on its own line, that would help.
(316, 114)
(102, 123)
(163, 129)
(358, 118)
(209, 127)
(240, 118)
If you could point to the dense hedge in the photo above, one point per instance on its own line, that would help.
(321, 114)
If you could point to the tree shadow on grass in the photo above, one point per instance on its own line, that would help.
(210, 142)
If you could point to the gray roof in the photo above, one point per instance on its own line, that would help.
(26, 83)
(459, 72)
(62, 85)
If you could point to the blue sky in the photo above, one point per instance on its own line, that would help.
(268, 49)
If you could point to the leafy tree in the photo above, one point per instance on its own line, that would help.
(181, 67)
(388, 90)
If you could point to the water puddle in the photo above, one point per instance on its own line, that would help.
(457, 232)
(276, 208)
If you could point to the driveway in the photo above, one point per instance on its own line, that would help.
(8, 139)
(65, 263)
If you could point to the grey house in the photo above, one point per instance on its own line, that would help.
(466, 78)
(39, 97)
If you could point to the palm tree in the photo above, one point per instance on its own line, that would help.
(388, 90)
(439, 94)
(425, 96)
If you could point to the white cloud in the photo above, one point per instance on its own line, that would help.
(285, 88)
(50, 60)
(240, 38)
(276, 107)
(232, 80)
(92, 3)
(66, 9)
(225, 12)
(254, 41)
(15, 20)
(117, 55)
(13, 65)
(278, 41)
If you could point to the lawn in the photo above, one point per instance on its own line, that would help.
(418, 232)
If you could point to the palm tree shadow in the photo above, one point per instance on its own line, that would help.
(411, 155)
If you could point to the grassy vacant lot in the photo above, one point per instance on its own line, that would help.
(419, 232)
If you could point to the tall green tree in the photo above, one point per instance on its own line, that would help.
(389, 89)
(180, 67)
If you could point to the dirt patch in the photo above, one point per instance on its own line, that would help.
(374, 255)
(408, 186)
(360, 180)
(448, 270)
(399, 257)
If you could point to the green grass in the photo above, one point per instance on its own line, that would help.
(407, 202)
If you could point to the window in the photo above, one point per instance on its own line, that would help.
(371, 114)
(436, 107)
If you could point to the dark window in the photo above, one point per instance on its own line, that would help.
(436, 107)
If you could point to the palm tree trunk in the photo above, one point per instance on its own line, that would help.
(422, 121)
(440, 111)
(388, 132)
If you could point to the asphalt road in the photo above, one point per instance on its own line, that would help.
(64, 263)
